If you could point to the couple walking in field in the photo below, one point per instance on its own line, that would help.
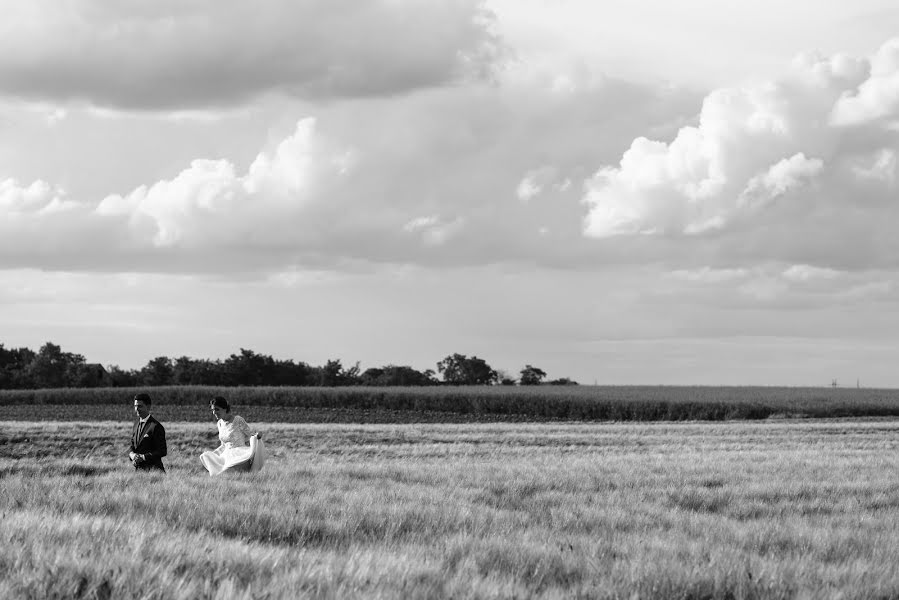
(240, 448)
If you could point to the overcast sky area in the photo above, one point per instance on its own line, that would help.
(620, 192)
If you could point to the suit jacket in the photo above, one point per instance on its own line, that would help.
(149, 441)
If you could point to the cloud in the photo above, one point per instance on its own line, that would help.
(428, 178)
(801, 169)
(482, 174)
(182, 55)
(709, 275)
(878, 96)
(204, 210)
(41, 225)
(434, 230)
(209, 204)
(528, 188)
(779, 179)
(537, 180)
(805, 273)
(879, 166)
(770, 286)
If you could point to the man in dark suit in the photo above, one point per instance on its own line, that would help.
(147, 437)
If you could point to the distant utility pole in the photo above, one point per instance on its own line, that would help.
(858, 383)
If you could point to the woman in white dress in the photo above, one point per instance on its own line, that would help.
(237, 451)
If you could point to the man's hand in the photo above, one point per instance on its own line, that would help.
(139, 459)
(132, 456)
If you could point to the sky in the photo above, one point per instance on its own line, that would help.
(615, 191)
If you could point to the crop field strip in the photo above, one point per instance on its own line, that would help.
(749, 509)
(460, 404)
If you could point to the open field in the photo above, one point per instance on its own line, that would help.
(774, 509)
(447, 404)
(199, 413)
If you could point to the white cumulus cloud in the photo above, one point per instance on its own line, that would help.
(805, 163)
(209, 203)
(877, 97)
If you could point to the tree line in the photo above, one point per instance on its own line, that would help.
(51, 367)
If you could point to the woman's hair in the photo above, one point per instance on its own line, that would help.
(221, 403)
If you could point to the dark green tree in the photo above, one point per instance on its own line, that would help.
(53, 368)
(329, 373)
(531, 375)
(184, 371)
(562, 381)
(288, 372)
(89, 375)
(458, 369)
(13, 365)
(159, 371)
(393, 375)
(250, 368)
(123, 378)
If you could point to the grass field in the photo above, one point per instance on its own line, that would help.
(773, 509)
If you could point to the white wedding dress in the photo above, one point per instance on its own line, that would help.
(240, 449)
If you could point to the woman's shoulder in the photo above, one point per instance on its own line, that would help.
(239, 419)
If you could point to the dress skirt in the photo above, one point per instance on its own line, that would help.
(241, 458)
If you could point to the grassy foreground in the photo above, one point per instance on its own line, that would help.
(777, 509)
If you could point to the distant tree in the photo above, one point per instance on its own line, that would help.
(329, 374)
(372, 376)
(350, 376)
(562, 381)
(458, 369)
(13, 363)
(334, 374)
(53, 368)
(159, 371)
(121, 378)
(249, 368)
(184, 371)
(89, 375)
(393, 375)
(288, 372)
(532, 375)
(209, 372)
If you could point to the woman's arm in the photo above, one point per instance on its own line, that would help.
(244, 427)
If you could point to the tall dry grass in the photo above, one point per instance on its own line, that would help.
(736, 510)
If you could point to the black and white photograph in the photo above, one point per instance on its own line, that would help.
(449, 299)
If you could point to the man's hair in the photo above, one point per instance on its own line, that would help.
(145, 398)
